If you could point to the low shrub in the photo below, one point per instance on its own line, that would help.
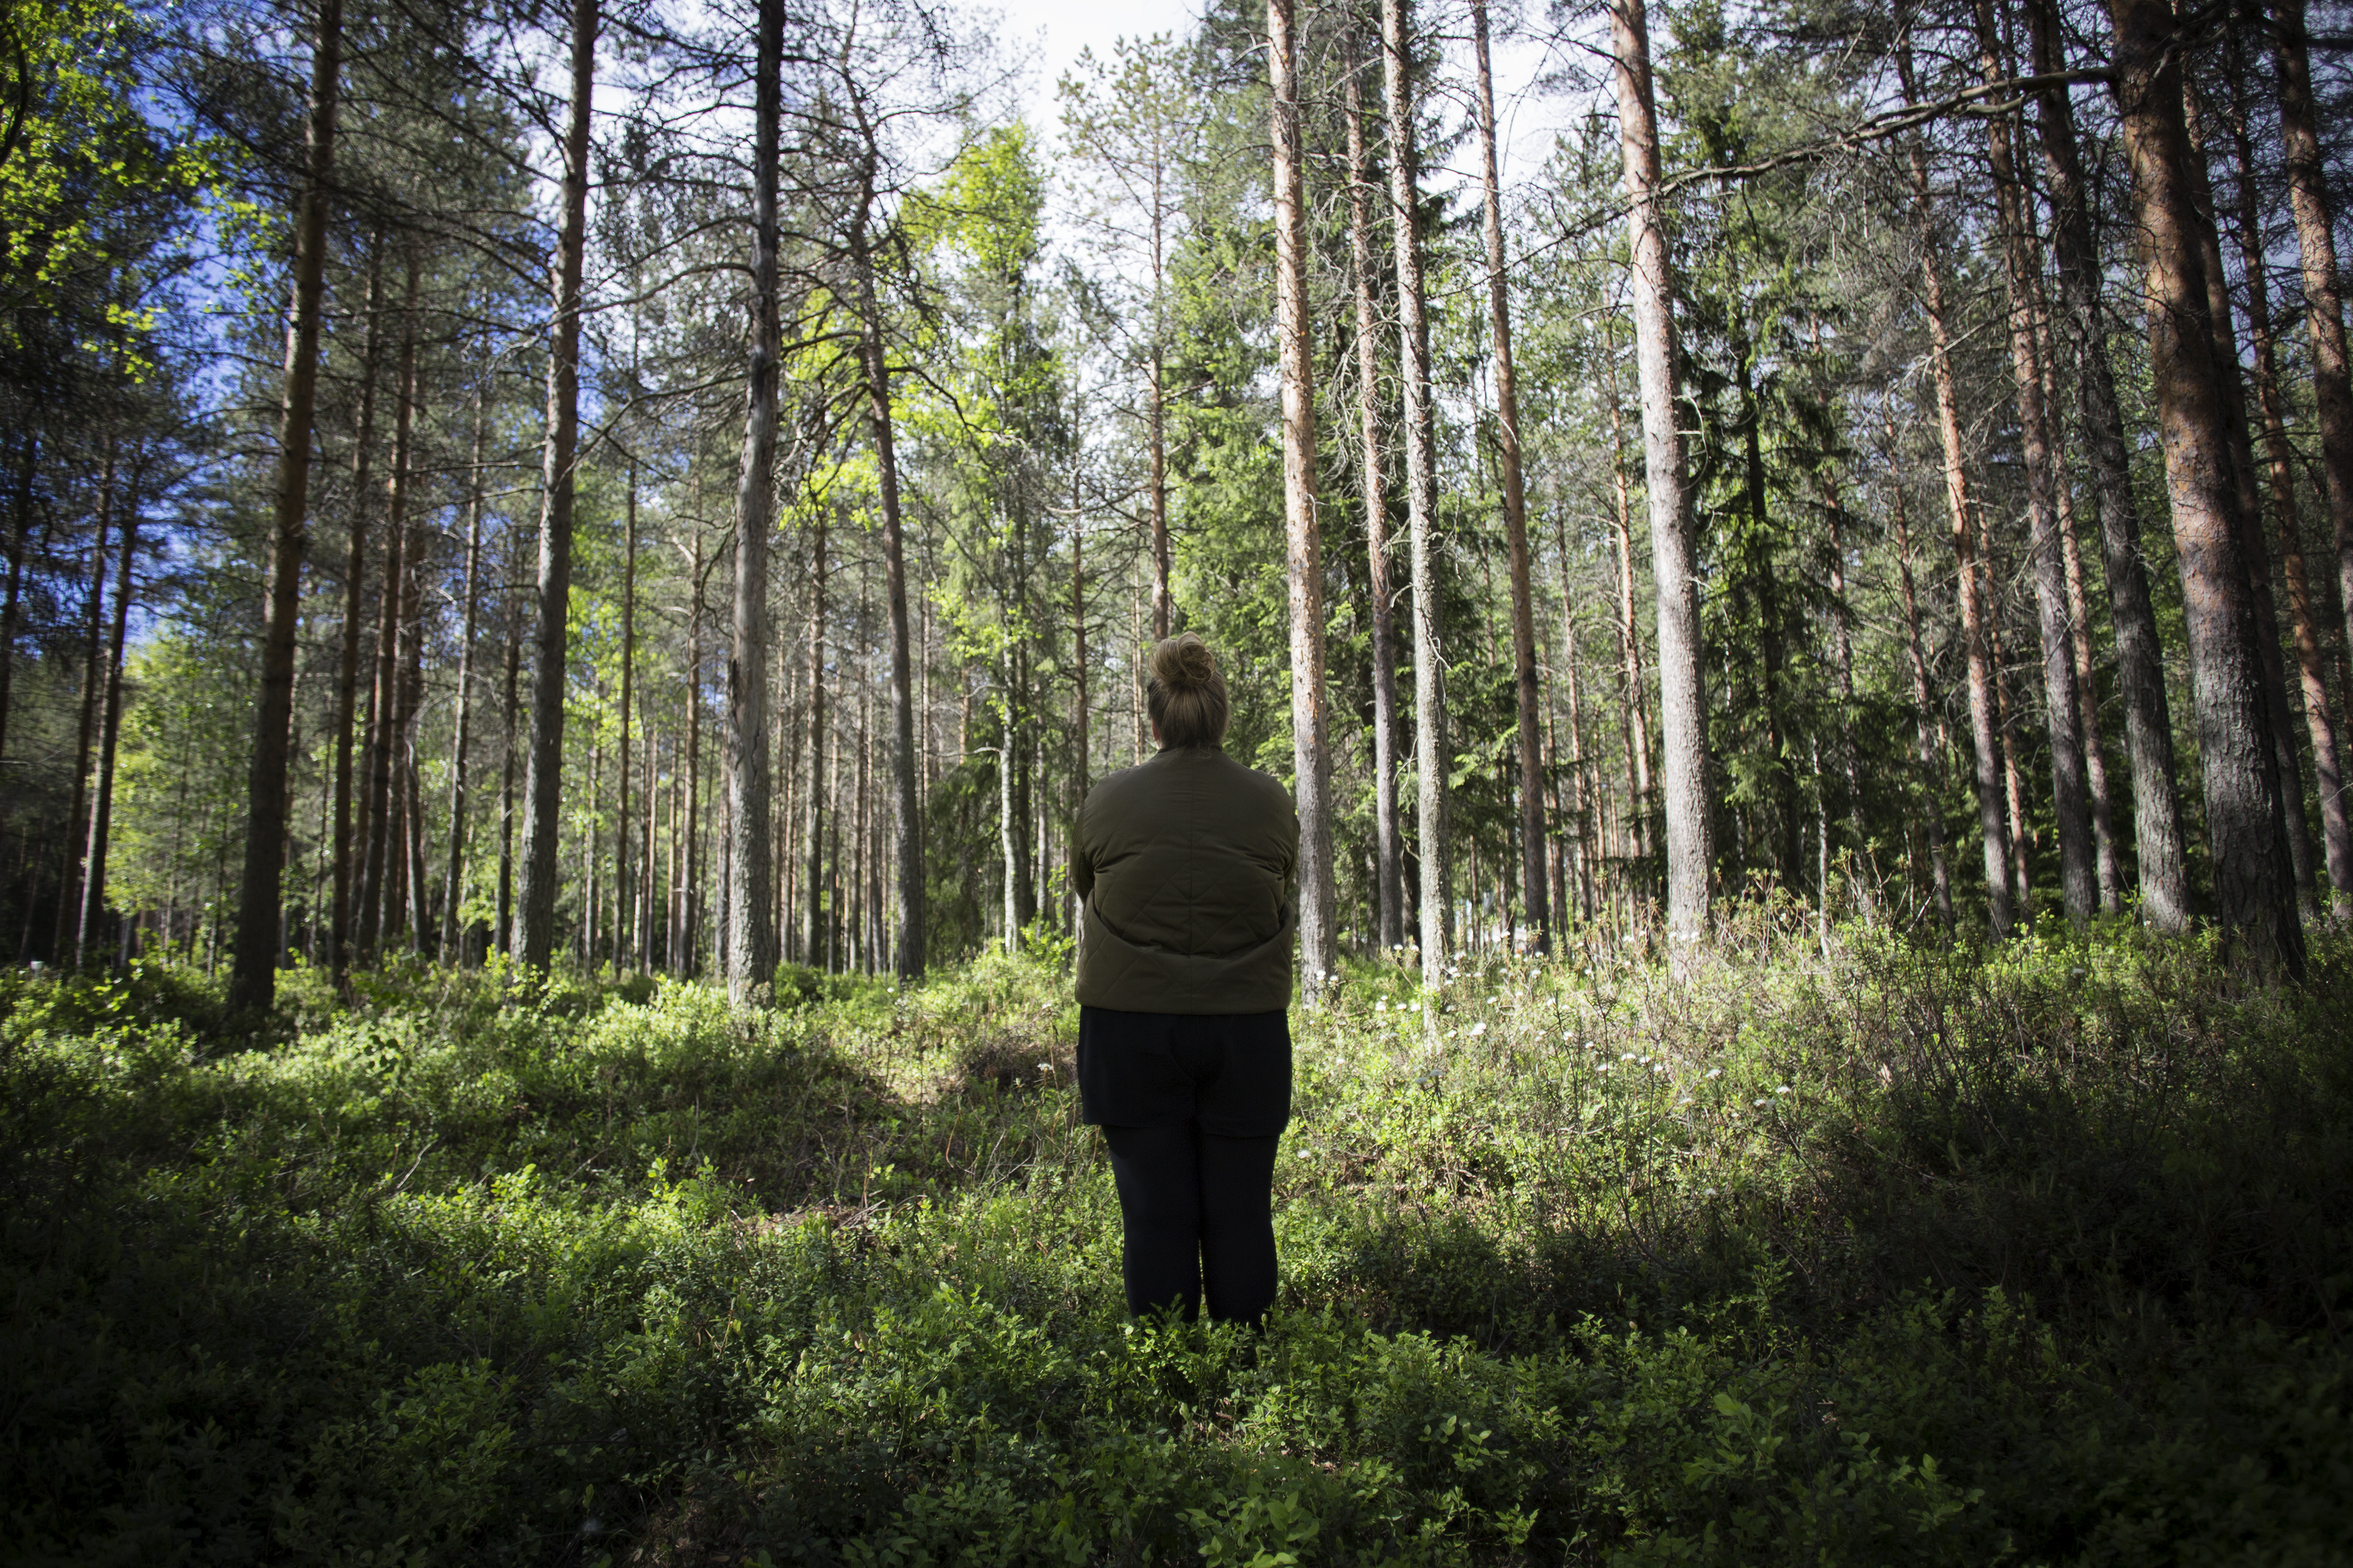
(1876, 1254)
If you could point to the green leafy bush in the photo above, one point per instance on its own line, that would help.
(1882, 1255)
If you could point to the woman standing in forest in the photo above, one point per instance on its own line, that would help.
(1184, 982)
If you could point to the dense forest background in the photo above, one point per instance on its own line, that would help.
(1807, 628)
(688, 489)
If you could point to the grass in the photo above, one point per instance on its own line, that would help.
(1871, 1256)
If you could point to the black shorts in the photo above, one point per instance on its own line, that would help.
(1230, 1072)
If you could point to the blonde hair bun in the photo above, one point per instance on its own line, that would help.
(1186, 695)
(1183, 663)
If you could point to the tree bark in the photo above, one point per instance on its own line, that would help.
(1633, 710)
(1534, 893)
(2078, 868)
(2140, 657)
(2252, 548)
(2312, 668)
(626, 923)
(1575, 802)
(381, 869)
(1388, 849)
(2255, 903)
(509, 707)
(687, 951)
(1683, 709)
(2324, 295)
(1924, 701)
(1984, 727)
(1079, 715)
(453, 933)
(2079, 629)
(70, 855)
(253, 976)
(1319, 948)
(2013, 779)
(1841, 611)
(1420, 420)
(1780, 751)
(813, 910)
(533, 942)
(1162, 604)
(347, 664)
(751, 870)
(109, 735)
(913, 937)
(19, 522)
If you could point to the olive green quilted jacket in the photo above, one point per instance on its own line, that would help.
(1184, 863)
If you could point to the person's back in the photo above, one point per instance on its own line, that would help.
(1185, 862)
(1184, 982)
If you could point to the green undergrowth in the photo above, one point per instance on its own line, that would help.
(1843, 1252)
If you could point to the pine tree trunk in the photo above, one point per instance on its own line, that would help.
(1780, 750)
(2319, 712)
(20, 516)
(2079, 628)
(109, 735)
(2252, 548)
(253, 979)
(2158, 835)
(1162, 604)
(625, 886)
(1683, 709)
(2013, 779)
(1161, 601)
(1842, 613)
(1389, 847)
(1080, 727)
(2078, 868)
(71, 867)
(378, 910)
(419, 878)
(534, 943)
(2256, 903)
(1533, 890)
(1924, 701)
(2324, 295)
(1419, 416)
(813, 907)
(648, 959)
(1012, 855)
(751, 958)
(453, 934)
(687, 956)
(1319, 948)
(1633, 709)
(1578, 802)
(913, 937)
(347, 664)
(510, 710)
(2078, 618)
(1983, 721)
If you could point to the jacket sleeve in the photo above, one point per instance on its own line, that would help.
(1083, 866)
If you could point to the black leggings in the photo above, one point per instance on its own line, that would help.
(1195, 1208)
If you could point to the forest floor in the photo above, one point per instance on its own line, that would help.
(1871, 1255)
